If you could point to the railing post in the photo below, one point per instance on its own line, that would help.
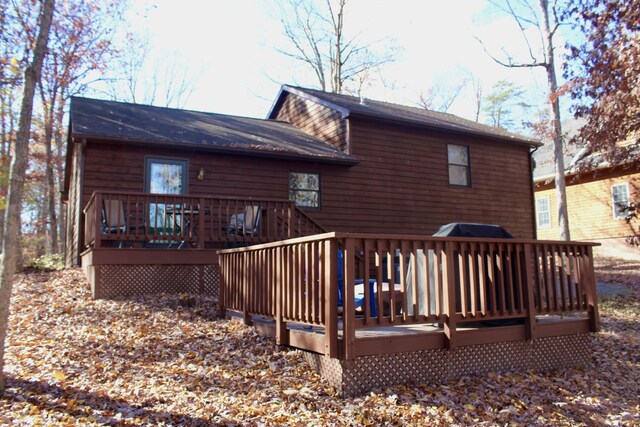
(530, 320)
(348, 300)
(449, 279)
(290, 220)
(330, 279)
(201, 223)
(223, 272)
(282, 335)
(590, 286)
(97, 219)
(246, 316)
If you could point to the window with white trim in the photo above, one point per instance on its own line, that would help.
(620, 197)
(543, 211)
(458, 159)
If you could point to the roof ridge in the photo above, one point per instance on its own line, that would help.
(455, 122)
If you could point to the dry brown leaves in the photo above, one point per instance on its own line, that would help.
(166, 360)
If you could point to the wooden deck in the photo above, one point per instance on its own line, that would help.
(171, 221)
(450, 293)
(168, 243)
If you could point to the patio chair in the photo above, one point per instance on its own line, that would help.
(251, 221)
(114, 220)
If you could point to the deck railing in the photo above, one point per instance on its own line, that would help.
(342, 282)
(192, 221)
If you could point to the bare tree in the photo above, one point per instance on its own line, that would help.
(440, 96)
(141, 78)
(476, 85)
(317, 38)
(80, 43)
(545, 20)
(16, 180)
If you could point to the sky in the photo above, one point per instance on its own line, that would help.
(229, 48)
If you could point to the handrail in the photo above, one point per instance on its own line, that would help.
(385, 280)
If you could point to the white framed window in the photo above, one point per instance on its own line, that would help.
(543, 211)
(304, 189)
(620, 199)
(458, 159)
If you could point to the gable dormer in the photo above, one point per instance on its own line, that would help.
(312, 115)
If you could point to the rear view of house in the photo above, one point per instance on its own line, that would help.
(332, 160)
(319, 220)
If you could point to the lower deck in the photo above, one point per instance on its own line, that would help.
(418, 354)
(417, 337)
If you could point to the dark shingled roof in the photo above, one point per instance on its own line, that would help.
(350, 106)
(238, 135)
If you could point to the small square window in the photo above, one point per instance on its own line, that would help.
(304, 189)
(458, 159)
(620, 195)
(544, 212)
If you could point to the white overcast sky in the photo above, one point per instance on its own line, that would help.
(229, 47)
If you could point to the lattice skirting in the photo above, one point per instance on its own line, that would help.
(119, 281)
(366, 373)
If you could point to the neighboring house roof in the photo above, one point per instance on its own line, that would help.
(351, 106)
(544, 160)
(576, 160)
(92, 118)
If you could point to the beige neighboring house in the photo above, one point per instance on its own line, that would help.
(594, 199)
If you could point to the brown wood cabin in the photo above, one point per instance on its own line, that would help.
(331, 198)
(371, 167)
(597, 192)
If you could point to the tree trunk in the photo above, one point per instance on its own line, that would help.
(558, 152)
(59, 169)
(16, 182)
(50, 223)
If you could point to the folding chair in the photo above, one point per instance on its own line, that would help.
(114, 220)
(251, 222)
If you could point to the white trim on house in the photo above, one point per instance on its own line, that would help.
(539, 223)
(616, 214)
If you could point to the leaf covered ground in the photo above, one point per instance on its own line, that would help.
(167, 360)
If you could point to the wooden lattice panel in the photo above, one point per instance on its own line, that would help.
(434, 366)
(119, 281)
(212, 280)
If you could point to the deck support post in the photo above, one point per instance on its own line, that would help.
(589, 285)
(348, 301)
(330, 283)
(530, 320)
(449, 281)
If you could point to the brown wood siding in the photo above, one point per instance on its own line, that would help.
(315, 119)
(589, 202)
(72, 252)
(113, 166)
(401, 184)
